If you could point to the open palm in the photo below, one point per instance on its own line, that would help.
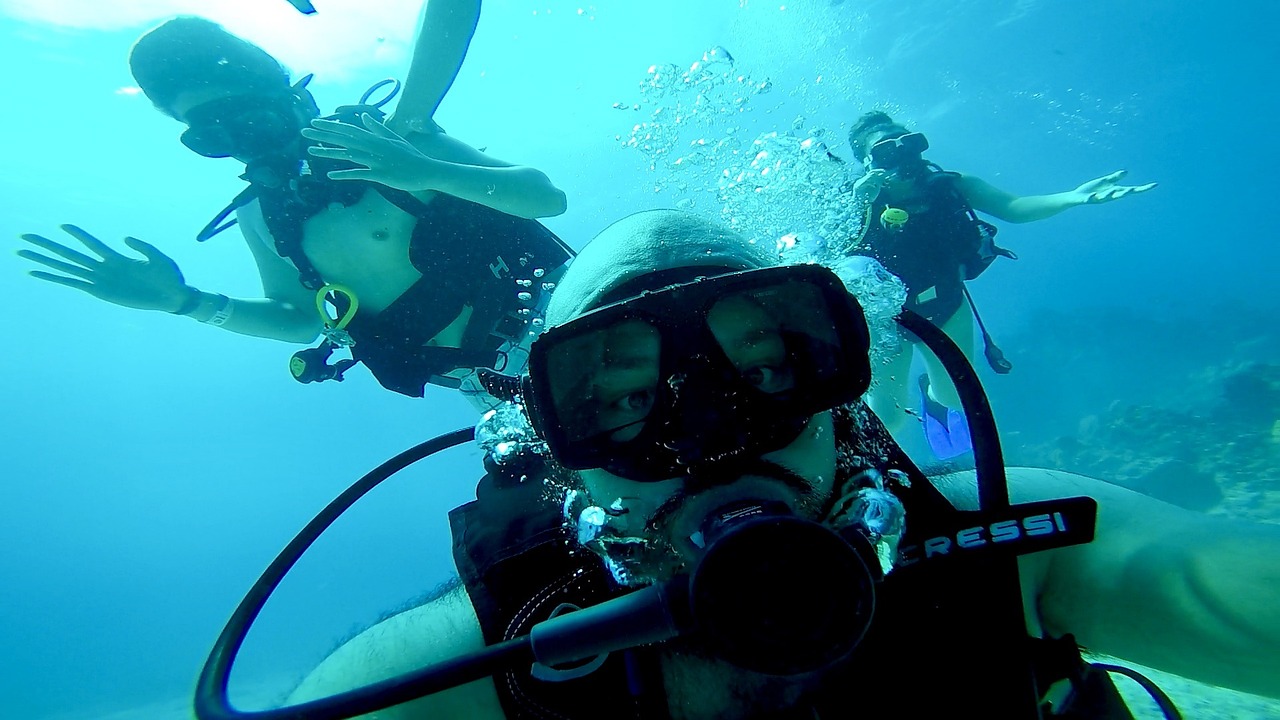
(152, 283)
(1107, 188)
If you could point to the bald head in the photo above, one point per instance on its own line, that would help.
(645, 243)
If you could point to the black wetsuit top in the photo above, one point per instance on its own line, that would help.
(935, 648)
(467, 253)
(930, 253)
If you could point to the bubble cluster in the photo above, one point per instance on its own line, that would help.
(695, 144)
(787, 182)
(504, 434)
(881, 295)
(784, 187)
(680, 103)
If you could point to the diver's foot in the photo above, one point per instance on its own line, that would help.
(945, 429)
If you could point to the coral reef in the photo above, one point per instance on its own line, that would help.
(1222, 457)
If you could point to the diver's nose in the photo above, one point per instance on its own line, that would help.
(701, 430)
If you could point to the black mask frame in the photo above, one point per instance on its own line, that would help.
(703, 408)
(244, 126)
(894, 152)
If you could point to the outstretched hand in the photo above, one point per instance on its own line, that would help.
(154, 283)
(386, 157)
(1106, 189)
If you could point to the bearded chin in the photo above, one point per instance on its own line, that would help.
(701, 685)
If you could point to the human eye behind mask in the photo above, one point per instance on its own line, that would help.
(780, 339)
(753, 342)
(605, 382)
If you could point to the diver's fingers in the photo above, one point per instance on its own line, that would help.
(1105, 195)
(60, 280)
(149, 251)
(60, 266)
(376, 127)
(1116, 176)
(91, 242)
(333, 153)
(336, 133)
(333, 126)
(1143, 188)
(353, 174)
(326, 137)
(60, 250)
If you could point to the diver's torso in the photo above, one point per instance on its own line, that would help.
(928, 250)
(365, 247)
(368, 247)
(946, 635)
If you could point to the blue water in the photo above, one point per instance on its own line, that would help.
(152, 466)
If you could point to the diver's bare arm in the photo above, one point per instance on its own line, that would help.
(404, 642)
(154, 282)
(445, 29)
(515, 190)
(431, 162)
(462, 171)
(258, 317)
(1181, 591)
(987, 198)
(286, 313)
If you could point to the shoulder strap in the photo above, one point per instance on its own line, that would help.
(284, 216)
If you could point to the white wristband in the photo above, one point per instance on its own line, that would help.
(223, 313)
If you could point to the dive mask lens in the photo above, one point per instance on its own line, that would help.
(654, 385)
(240, 127)
(895, 152)
(210, 141)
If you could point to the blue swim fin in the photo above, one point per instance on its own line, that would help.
(946, 430)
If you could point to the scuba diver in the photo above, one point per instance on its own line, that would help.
(701, 519)
(387, 236)
(921, 222)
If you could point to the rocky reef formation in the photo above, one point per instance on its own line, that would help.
(1222, 457)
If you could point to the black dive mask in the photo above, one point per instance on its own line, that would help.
(899, 153)
(247, 127)
(672, 380)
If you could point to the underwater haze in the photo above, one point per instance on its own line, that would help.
(152, 467)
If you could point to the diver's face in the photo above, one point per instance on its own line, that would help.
(677, 403)
(897, 178)
(226, 123)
